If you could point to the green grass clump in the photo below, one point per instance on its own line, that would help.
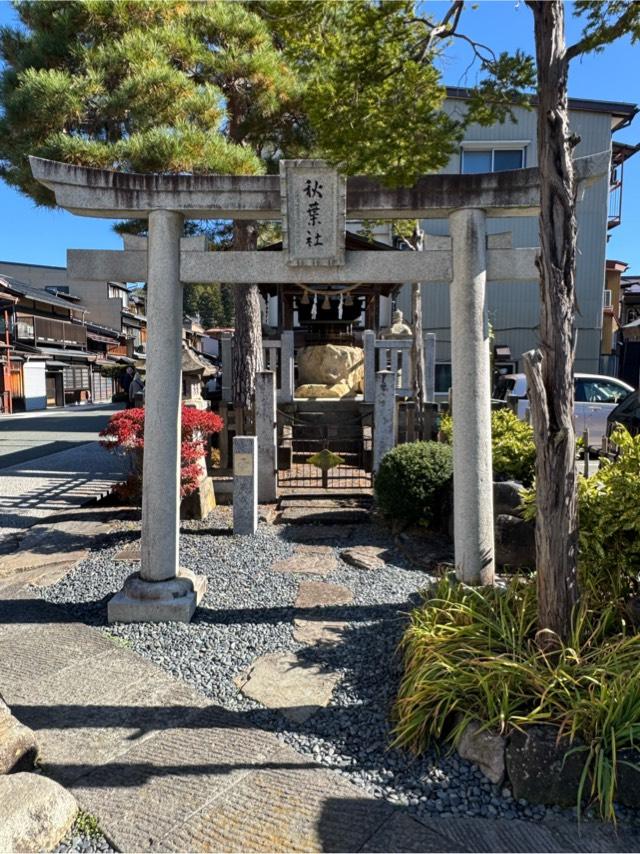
(470, 653)
(413, 482)
(87, 825)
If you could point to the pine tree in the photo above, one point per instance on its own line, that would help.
(150, 87)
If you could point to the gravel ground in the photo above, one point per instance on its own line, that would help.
(76, 841)
(248, 611)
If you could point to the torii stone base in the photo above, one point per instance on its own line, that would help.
(170, 601)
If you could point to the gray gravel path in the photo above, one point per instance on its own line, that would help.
(248, 611)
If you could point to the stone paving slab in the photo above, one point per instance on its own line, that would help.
(313, 548)
(404, 833)
(100, 718)
(153, 789)
(289, 805)
(320, 594)
(318, 631)
(313, 563)
(131, 552)
(32, 652)
(364, 557)
(281, 681)
(32, 491)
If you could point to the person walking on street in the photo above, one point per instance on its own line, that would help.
(136, 388)
(126, 378)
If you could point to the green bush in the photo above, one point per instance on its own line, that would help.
(514, 451)
(471, 653)
(413, 481)
(609, 532)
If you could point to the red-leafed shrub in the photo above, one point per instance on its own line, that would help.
(125, 434)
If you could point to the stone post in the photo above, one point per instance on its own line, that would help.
(161, 591)
(245, 484)
(472, 464)
(266, 433)
(369, 344)
(287, 369)
(430, 366)
(227, 368)
(384, 416)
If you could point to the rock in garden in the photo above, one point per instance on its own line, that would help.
(628, 789)
(507, 497)
(485, 749)
(515, 542)
(364, 557)
(18, 745)
(35, 812)
(200, 503)
(318, 594)
(282, 681)
(541, 769)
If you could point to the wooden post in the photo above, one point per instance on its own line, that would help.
(585, 441)
(223, 436)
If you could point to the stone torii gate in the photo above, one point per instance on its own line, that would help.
(313, 202)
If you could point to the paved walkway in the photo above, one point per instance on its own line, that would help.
(163, 769)
(50, 462)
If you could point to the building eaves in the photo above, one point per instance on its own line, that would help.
(36, 294)
(619, 109)
(39, 266)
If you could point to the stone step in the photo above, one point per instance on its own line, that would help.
(309, 534)
(325, 502)
(324, 516)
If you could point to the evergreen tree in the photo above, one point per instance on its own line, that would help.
(152, 87)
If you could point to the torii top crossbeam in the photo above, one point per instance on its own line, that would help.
(105, 193)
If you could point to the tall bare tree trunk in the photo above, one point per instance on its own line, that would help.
(550, 369)
(247, 341)
(418, 367)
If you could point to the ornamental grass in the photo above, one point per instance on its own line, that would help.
(471, 654)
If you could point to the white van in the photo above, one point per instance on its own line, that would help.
(595, 397)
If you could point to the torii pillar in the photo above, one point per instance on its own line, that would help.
(162, 590)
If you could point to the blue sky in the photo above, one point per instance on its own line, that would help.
(36, 235)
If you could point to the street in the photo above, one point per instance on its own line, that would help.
(51, 461)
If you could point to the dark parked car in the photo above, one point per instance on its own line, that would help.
(626, 413)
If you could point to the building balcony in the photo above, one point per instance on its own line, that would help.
(45, 330)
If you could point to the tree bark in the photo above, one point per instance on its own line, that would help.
(247, 339)
(550, 369)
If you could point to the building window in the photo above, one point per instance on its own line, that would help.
(607, 303)
(475, 160)
(443, 377)
(119, 293)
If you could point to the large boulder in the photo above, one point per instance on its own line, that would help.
(18, 746)
(485, 749)
(331, 364)
(543, 769)
(515, 542)
(507, 497)
(315, 390)
(35, 812)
